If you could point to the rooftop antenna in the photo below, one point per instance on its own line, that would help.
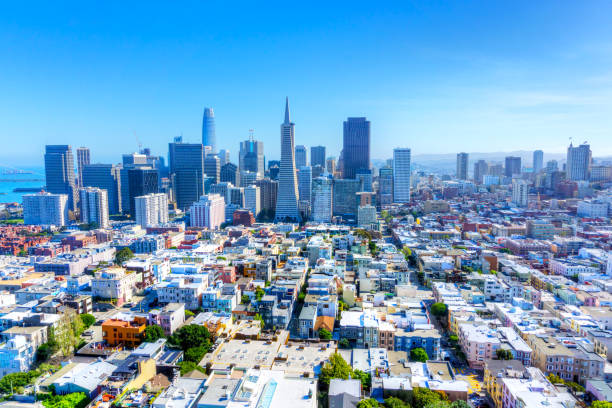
(251, 134)
(137, 141)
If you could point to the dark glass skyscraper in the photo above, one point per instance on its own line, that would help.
(229, 173)
(59, 172)
(142, 181)
(83, 158)
(212, 168)
(251, 156)
(317, 156)
(356, 146)
(187, 170)
(209, 137)
(513, 166)
(106, 177)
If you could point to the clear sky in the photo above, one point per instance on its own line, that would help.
(439, 77)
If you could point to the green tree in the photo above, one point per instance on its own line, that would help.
(460, 404)
(153, 333)
(419, 354)
(259, 319)
(123, 255)
(365, 378)
(438, 309)
(344, 344)
(503, 354)
(601, 404)
(189, 366)
(188, 314)
(195, 354)
(68, 332)
(88, 320)
(453, 338)
(367, 403)
(43, 352)
(192, 335)
(422, 397)
(325, 334)
(245, 299)
(73, 400)
(335, 368)
(438, 404)
(259, 293)
(373, 248)
(393, 402)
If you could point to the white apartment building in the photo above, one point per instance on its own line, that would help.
(115, 284)
(568, 268)
(520, 191)
(45, 209)
(209, 212)
(94, 206)
(16, 355)
(151, 209)
(592, 209)
(183, 289)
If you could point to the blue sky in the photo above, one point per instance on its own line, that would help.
(439, 77)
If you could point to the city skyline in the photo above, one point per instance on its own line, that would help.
(467, 91)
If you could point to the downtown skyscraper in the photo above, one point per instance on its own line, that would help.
(317, 156)
(251, 156)
(83, 158)
(401, 175)
(538, 161)
(59, 173)
(462, 166)
(187, 170)
(578, 162)
(209, 137)
(356, 146)
(288, 196)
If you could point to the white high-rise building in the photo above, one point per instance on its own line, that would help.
(209, 212)
(94, 206)
(520, 191)
(401, 175)
(288, 196)
(224, 157)
(609, 267)
(45, 209)
(578, 162)
(322, 199)
(252, 199)
(151, 209)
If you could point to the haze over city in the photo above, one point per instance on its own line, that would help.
(474, 76)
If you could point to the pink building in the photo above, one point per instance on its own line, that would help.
(479, 343)
(209, 212)
(227, 274)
